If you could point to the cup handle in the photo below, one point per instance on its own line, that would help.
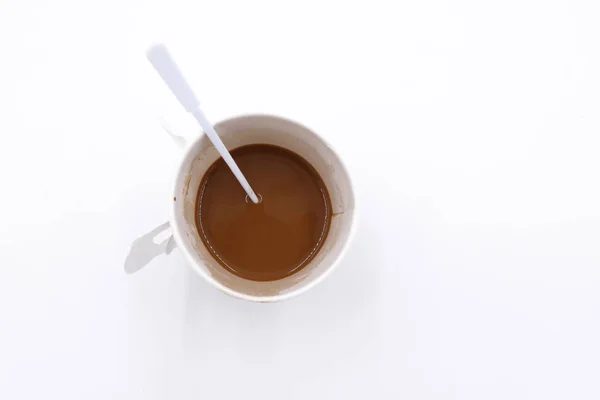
(144, 249)
(179, 141)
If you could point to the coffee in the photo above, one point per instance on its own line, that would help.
(275, 238)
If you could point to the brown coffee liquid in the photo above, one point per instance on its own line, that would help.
(278, 236)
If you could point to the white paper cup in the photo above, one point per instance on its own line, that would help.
(200, 155)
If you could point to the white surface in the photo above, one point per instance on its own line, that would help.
(475, 273)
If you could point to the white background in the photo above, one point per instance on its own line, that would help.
(475, 273)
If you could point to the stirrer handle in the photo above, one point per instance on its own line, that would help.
(168, 70)
(164, 64)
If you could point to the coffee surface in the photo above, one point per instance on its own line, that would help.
(278, 236)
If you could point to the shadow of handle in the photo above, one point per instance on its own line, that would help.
(144, 249)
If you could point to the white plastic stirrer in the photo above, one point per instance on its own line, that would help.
(167, 69)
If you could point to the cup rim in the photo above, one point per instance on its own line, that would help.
(209, 278)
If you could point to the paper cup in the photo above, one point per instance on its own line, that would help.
(200, 155)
